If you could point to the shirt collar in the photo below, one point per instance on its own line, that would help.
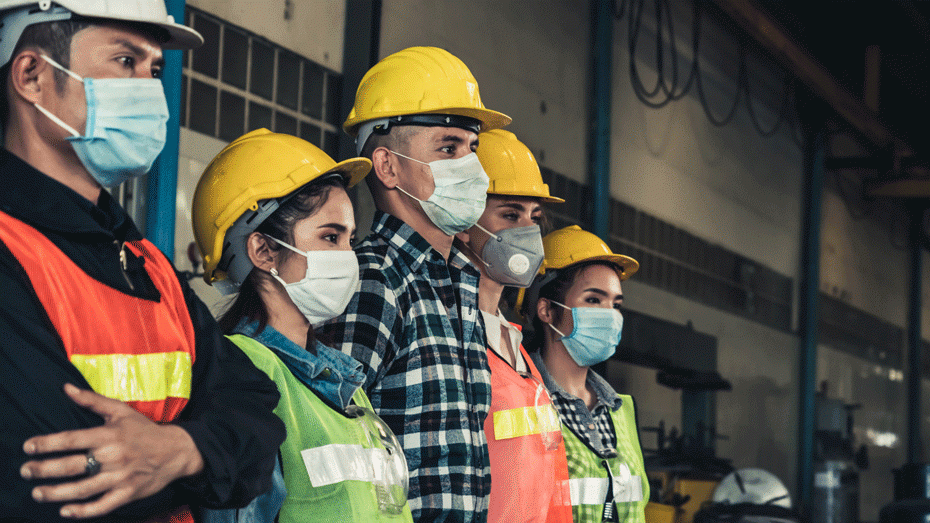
(48, 204)
(414, 247)
(492, 330)
(606, 395)
(329, 372)
(402, 237)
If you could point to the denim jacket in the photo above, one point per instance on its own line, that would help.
(330, 373)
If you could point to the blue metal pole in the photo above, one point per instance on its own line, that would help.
(809, 311)
(915, 343)
(163, 178)
(602, 19)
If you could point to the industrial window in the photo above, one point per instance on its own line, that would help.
(238, 81)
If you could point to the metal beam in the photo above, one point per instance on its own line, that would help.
(767, 32)
(360, 50)
(602, 28)
(163, 178)
(903, 188)
(914, 341)
(809, 319)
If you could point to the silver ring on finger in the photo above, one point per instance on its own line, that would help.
(92, 466)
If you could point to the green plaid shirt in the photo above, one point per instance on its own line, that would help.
(414, 326)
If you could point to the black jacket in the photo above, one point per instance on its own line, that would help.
(229, 413)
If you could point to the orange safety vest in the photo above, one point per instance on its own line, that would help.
(529, 482)
(134, 350)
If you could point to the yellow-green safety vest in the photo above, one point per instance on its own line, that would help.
(329, 461)
(589, 480)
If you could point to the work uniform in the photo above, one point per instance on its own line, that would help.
(414, 327)
(609, 437)
(332, 466)
(529, 474)
(87, 301)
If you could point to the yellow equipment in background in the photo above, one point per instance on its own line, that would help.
(685, 493)
(660, 513)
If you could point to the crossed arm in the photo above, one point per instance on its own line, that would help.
(138, 458)
(219, 453)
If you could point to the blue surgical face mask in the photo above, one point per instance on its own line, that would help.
(461, 191)
(126, 126)
(595, 336)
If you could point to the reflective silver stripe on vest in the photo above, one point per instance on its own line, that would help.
(593, 491)
(339, 462)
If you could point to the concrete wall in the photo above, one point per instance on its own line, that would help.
(195, 154)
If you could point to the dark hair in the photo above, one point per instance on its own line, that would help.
(280, 225)
(52, 37)
(556, 290)
(397, 139)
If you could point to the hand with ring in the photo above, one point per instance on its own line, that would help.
(129, 457)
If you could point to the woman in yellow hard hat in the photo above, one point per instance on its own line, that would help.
(529, 475)
(274, 223)
(575, 306)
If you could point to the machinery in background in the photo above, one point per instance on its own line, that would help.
(683, 468)
(835, 497)
(749, 495)
(911, 495)
(683, 473)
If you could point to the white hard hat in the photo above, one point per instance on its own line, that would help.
(752, 485)
(16, 15)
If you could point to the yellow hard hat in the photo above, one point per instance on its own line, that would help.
(420, 81)
(511, 166)
(572, 244)
(246, 183)
(566, 247)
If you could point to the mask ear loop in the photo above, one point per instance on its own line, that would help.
(407, 157)
(401, 189)
(481, 259)
(562, 334)
(274, 271)
(62, 68)
(291, 247)
(489, 233)
(48, 113)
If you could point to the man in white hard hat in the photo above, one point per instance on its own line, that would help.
(119, 395)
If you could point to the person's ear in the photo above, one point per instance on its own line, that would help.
(384, 166)
(544, 310)
(29, 73)
(262, 256)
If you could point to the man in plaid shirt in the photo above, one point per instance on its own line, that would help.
(414, 324)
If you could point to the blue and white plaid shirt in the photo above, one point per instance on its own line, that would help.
(414, 326)
(595, 427)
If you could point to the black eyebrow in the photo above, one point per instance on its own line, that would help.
(449, 138)
(603, 293)
(139, 52)
(338, 226)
